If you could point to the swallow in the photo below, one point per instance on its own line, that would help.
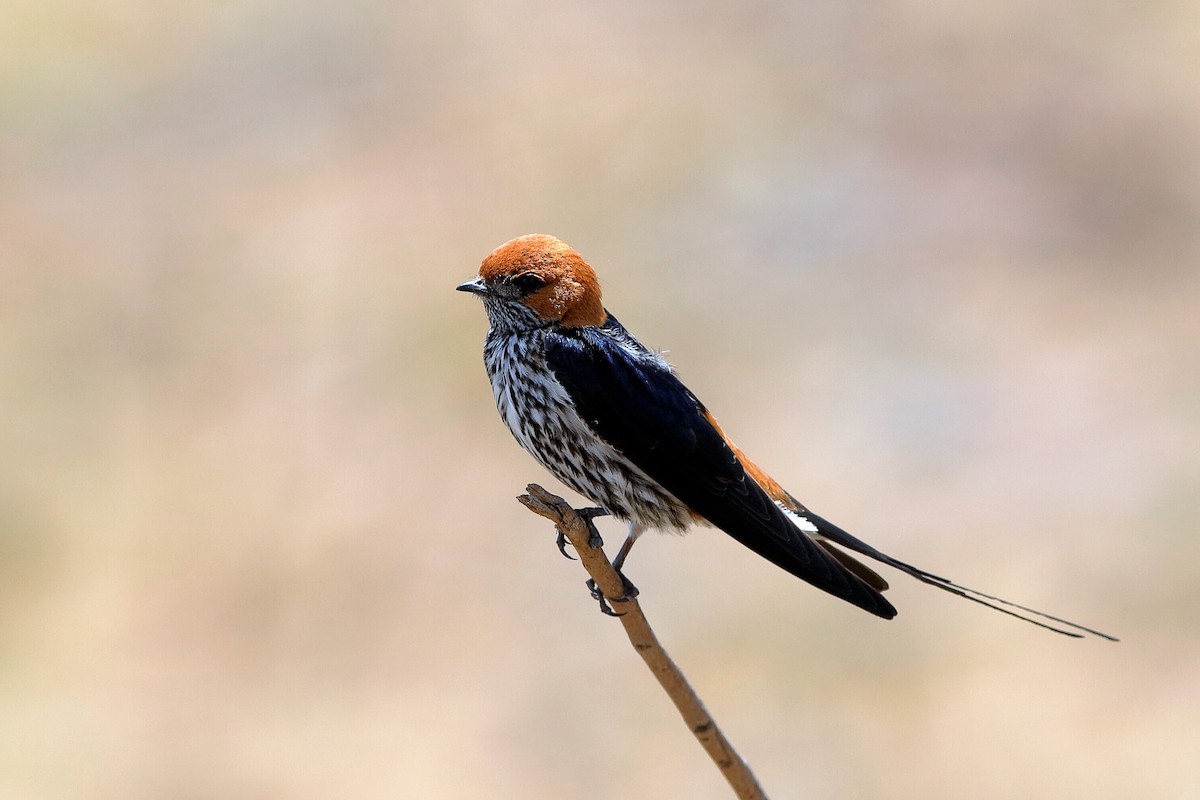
(609, 417)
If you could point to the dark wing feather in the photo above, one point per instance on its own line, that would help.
(640, 408)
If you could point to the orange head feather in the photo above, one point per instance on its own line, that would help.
(562, 286)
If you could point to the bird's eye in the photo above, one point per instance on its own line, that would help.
(528, 282)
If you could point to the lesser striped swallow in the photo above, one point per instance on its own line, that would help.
(608, 417)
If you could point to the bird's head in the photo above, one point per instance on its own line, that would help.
(536, 280)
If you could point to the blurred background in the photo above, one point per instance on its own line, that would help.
(934, 265)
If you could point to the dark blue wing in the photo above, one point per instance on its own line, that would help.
(640, 408)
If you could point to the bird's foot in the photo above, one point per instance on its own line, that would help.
(594, 540)
(629, 593)
(592, 511)
(589, 514)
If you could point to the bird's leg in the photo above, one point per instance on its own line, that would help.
(587, 515)
(623, 553)
(635, 531)
(631, 591)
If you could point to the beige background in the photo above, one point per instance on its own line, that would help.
(934, 265)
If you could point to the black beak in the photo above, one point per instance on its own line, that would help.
(476, 286)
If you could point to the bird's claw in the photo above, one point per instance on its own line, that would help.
(594, 540)
(599, 597)
(630, 593)
(561, 541)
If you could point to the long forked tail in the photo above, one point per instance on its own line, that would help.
(1050, 622)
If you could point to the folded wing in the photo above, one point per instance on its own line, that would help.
(631, 400)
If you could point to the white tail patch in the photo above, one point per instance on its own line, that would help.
(800, 521)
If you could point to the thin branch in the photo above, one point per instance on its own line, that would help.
(582, 535)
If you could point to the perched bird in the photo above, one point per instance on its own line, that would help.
(609, 418)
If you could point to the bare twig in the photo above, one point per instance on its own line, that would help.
(582, 535)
